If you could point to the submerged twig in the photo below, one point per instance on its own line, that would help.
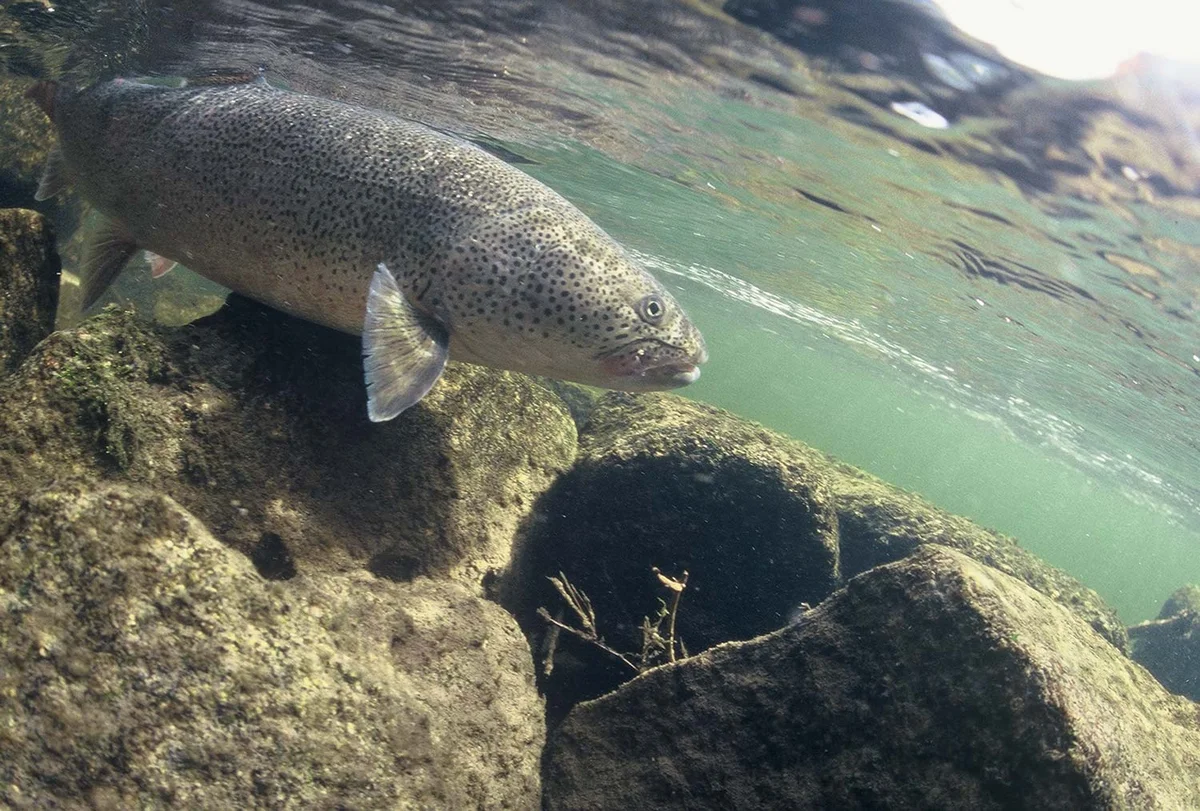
(654, 645)
(676, 586)
(1171, 623)
(578, 602)
(599, 643)
(550, 645)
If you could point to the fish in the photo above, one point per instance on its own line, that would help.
(429, 247)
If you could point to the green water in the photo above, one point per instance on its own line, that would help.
(962, 460)
(1024, 357)
(852, 342)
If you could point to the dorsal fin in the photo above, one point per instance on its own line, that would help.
(224, 76)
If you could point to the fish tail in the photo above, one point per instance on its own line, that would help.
(43, 94)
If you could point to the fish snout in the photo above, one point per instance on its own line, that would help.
(651, 365)
(674, 375)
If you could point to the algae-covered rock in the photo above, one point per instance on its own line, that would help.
(880, 523)
(145, 664)
(257, 423)
(1185, 598)
(28, 284)
(580, 400)
(25, 139)
(664, 482)
(933, 683)
(1169, 646)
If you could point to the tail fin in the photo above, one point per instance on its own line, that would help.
(43, 94)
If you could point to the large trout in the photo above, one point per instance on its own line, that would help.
(426, 245)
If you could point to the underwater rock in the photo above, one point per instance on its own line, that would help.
(934, 683)
(664, 482)
(25, 139)
(257, 423)
(29, 271)
(145, 664)
(880, 523)
(1169, 647)
(580, 400)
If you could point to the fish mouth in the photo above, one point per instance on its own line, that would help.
(673, 374)
(652, 366)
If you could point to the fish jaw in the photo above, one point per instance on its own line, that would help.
(650, 365)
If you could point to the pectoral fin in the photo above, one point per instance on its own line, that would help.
(404, 351)
(108, 250)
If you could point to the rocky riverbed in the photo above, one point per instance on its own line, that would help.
(221, 586)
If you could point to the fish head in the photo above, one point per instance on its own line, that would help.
(653, 345)
(545, 291)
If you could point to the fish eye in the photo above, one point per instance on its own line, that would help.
(652, 309)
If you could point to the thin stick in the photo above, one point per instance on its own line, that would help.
(577, 600)
(550, 646)
(595, 640)
(677, 586)
(1151, 626)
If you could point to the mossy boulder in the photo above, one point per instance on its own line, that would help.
(1185, 598)
(881, 523)
(935, 683)
(145, 664)
(664, 482)
(1169, 646)
(257, 423)
(25, 139)
(29, 274)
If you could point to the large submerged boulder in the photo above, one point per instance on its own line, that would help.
(663, 482)
(143, 663)
(1169, 646)
(881, 523)
(256, 423)
(761, 523)
(25, 138)
(29, 271)
(935, 682)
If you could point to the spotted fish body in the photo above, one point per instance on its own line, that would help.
(428, 246)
